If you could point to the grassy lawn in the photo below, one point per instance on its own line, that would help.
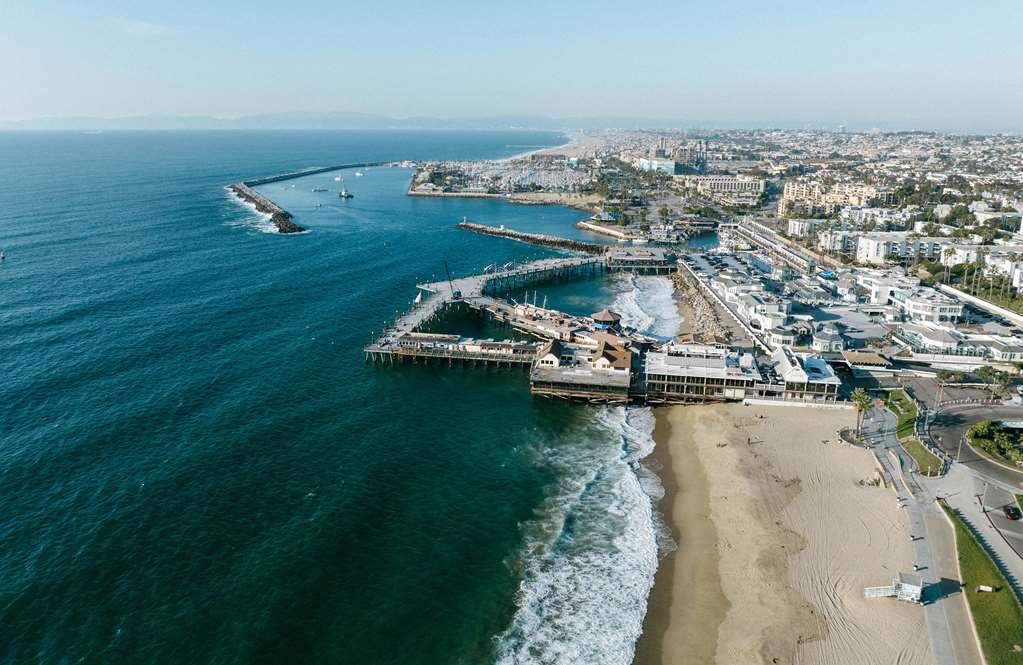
(899, 403)
(925, 459)
(998, 616)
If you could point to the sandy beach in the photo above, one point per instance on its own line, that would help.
(779, 526)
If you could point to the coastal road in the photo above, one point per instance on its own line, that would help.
(948, 427)
(948, 622)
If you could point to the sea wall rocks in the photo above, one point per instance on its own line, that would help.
(279, 217)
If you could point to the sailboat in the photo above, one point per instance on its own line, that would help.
(3, 257)
(419, 299)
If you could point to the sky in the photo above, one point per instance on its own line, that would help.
(922, 65)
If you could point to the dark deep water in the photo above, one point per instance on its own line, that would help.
(196, 465)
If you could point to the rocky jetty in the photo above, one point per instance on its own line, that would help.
(534, 238)
(282, 220)
(279, 217)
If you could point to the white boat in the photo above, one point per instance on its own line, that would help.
(358, 174)
(338, 178)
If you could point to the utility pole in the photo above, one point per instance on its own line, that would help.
(451, 284)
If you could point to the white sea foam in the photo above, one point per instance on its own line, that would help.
(591, 554)
(647, 304)
(258, 221)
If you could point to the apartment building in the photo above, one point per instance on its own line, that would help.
(913, 301)
(879, 248)
(726, 189)
(837, 241)
(807, 197)
(803, 228)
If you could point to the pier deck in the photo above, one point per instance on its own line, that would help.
(476, 291)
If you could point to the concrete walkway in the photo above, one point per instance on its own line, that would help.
(948, 623)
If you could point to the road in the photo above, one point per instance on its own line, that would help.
(948, 427)
(948, 622)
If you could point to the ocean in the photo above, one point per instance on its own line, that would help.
(196, 464)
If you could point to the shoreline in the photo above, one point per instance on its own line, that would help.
(685, 509)
(568, 144)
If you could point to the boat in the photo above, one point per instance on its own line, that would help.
(359, 174)
(345, 194)
(338, 178)
(319, 189)
(3, 257)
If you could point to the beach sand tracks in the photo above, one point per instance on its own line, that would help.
(836, 535)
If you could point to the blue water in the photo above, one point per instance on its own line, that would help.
(196, 465)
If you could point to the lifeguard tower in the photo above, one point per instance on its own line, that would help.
(907, 586)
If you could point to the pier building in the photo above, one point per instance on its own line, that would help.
(642, 260)
(700, 373)
(582, 372)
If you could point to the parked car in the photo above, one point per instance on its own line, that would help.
(1012, 512)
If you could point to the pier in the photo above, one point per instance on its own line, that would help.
(476, 292)
(540, 239)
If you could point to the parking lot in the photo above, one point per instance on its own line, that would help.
(708, 265)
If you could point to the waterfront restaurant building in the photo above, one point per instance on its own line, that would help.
(641, 260)
(700, 373)
(579, 372)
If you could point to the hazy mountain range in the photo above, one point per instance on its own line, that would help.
(340, 120)
(299, 120)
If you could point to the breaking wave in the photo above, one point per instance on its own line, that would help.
(591, 555)
(647, 304)
(257, 221)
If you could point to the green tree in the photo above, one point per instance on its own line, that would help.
(663, 213)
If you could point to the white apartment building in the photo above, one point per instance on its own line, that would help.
(915, 302)
(803, 228)
(879, 248)
(728, 189)
(837, 241)
(811, 197)
(886, 217)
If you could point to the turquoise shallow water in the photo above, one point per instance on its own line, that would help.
(195, 463)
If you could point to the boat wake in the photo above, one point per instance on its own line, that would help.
(590, 557)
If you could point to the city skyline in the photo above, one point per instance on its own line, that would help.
(941, 66)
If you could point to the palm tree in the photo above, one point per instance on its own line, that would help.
(862, 401)
(948, 253)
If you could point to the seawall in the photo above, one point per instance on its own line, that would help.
(280, 217)
(312, 171)
(534, 238)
